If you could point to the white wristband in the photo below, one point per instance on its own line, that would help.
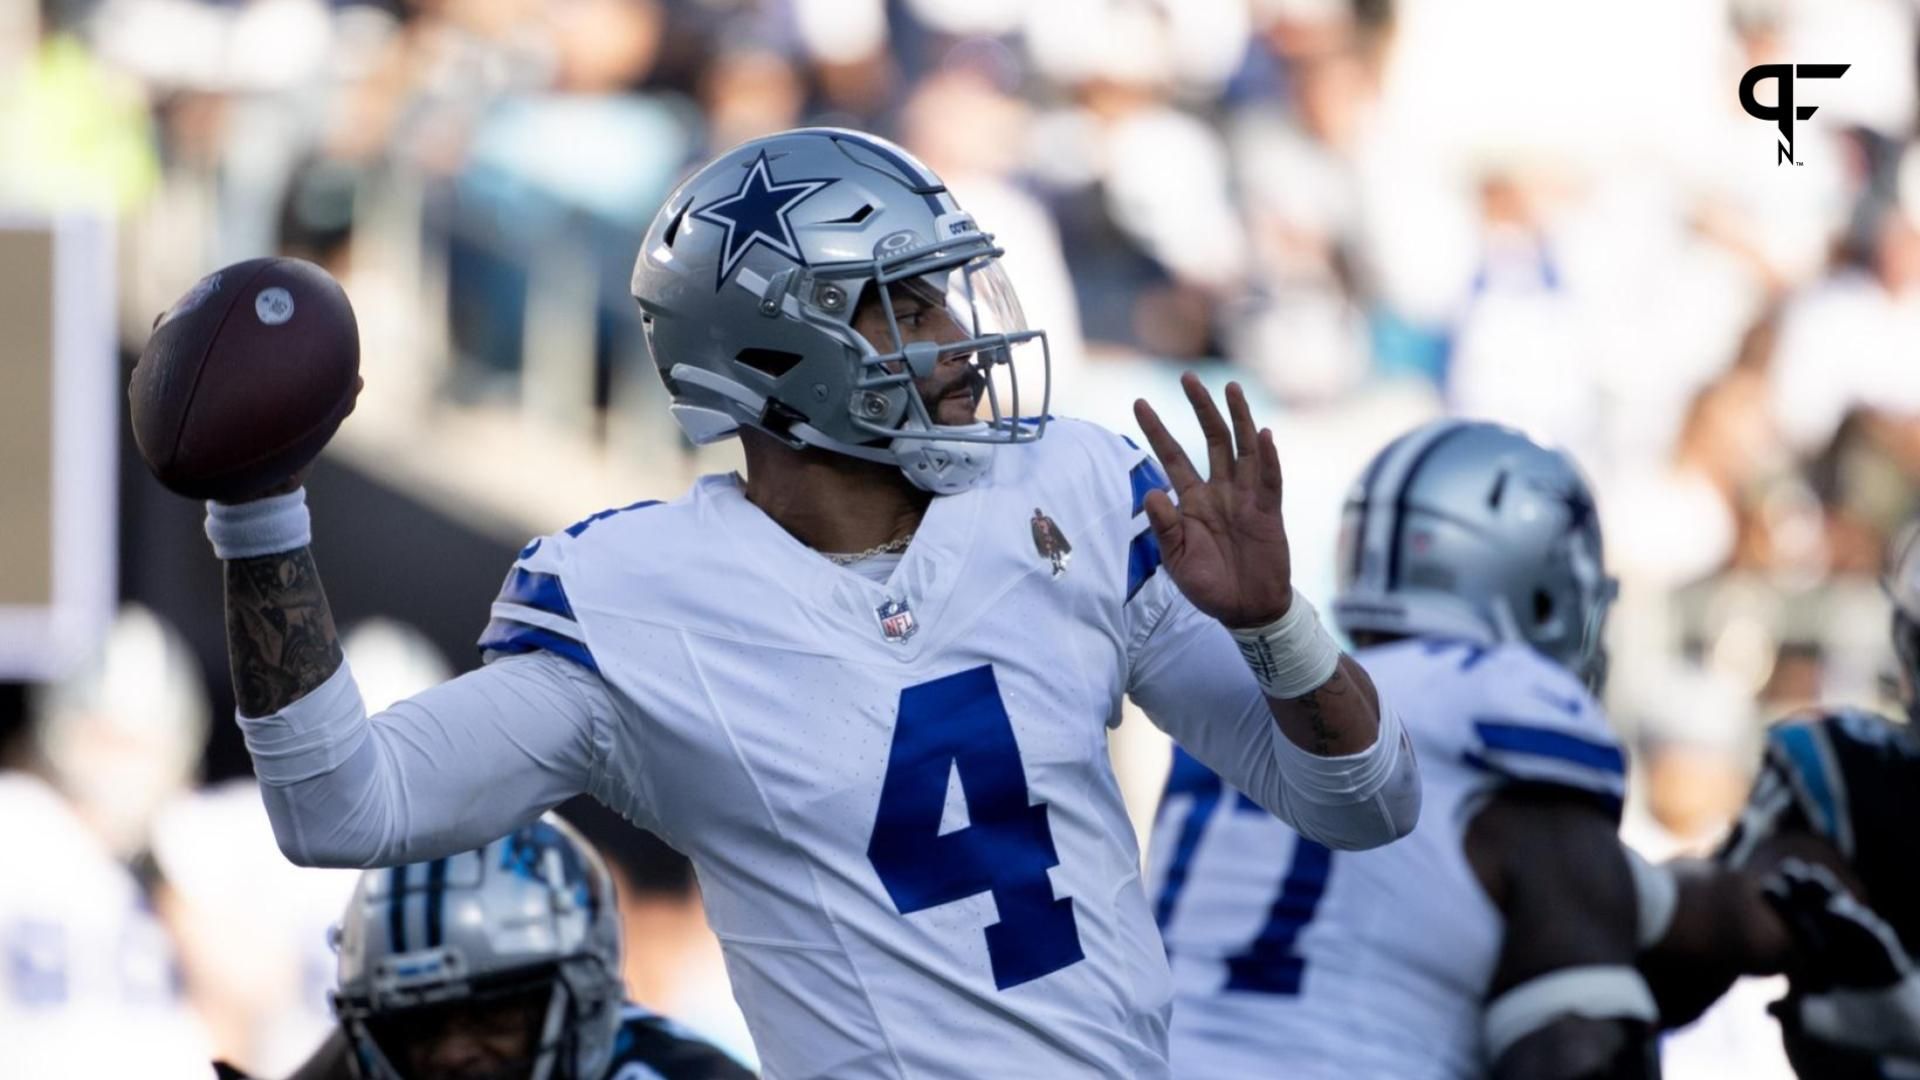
(266, 526)
(1291, 656)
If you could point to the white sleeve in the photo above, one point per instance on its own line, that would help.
(441, 772)
(1187, 674)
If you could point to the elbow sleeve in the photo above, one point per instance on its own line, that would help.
(1356, 801)
(313, 760)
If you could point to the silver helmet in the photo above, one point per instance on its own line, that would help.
(1473, 531)
(750, 277)
(522, 932)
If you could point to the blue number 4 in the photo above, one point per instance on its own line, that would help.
(959, 724)
(1269, 964)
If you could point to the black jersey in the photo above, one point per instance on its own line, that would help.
(652, 1047)
(1852, 778)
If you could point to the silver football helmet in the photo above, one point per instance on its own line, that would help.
(1472, 531)
(522, 932)
(750, 277)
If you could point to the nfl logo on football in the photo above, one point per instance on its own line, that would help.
(896, 621)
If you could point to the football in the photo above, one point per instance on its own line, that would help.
(245, 378)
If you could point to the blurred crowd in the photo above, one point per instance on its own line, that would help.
(1372, 210)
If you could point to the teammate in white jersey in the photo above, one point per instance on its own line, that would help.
(890, 772)
(1501, 937)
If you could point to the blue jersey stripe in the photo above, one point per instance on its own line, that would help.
(1143, 558)
(585, 523)
(1804, 751)
(508, 636)
(1146, 477)
(531, 588)
(1504, 736)
(1188, 777)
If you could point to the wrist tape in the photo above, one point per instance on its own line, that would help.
(266, 526)
(1291, 656)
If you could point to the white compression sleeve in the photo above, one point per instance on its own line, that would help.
(1188, 675)
(444, 771)
(1357, 800)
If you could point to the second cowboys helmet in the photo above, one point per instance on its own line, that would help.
(1472, 531)
(749, 278)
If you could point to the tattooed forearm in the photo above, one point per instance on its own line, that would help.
(1314, 706)
(281, 641)
(1341, 717)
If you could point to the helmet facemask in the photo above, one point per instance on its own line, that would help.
(518, 1025)
(938, 305)
(750, 279)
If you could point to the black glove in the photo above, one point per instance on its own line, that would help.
(1853, 984)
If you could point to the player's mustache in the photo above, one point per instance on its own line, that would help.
(970, 380)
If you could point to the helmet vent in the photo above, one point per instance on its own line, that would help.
(1542, 606)
(1499, 490)
(772, 363)
(855, 218)
(673, 227)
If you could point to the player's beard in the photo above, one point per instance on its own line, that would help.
(953, 401)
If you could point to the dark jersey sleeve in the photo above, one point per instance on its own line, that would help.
(1853, 779)
(669, 1050)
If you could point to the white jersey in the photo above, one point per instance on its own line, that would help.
(1295, 961)
(896, 793)
(88, 983)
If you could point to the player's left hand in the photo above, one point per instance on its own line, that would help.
(1224, 543)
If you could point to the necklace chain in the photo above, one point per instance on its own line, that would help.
(890, 547)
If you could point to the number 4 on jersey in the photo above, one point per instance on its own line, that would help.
(959, 724)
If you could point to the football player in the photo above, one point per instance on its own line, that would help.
(849, 685)
(1824, 834)
(501, 963)
(1502, 937)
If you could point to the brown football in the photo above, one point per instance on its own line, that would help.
(245, 379)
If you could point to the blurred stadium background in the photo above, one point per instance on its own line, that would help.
(1371, 211)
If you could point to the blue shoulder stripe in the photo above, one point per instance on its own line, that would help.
(1143, 558)
(1146, 477)
(508, 636)
(1502, 736)
(1804, 751)
(531, 588)
(578, 527)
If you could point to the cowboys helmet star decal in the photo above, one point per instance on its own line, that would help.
(757, 214)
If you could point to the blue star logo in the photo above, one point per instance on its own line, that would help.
(757, 214)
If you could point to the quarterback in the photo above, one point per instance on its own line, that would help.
(864, 688)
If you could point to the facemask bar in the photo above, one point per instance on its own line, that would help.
(976, 285)
(550, 1041)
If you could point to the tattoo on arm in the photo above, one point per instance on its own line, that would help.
(1341, 717)
(281, 641)
(1315, 709)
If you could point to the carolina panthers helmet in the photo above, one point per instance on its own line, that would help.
(1470, 530)
(749, 279)
(1902, 585)
(528, 918)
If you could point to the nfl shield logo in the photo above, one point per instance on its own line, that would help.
(896, 620)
